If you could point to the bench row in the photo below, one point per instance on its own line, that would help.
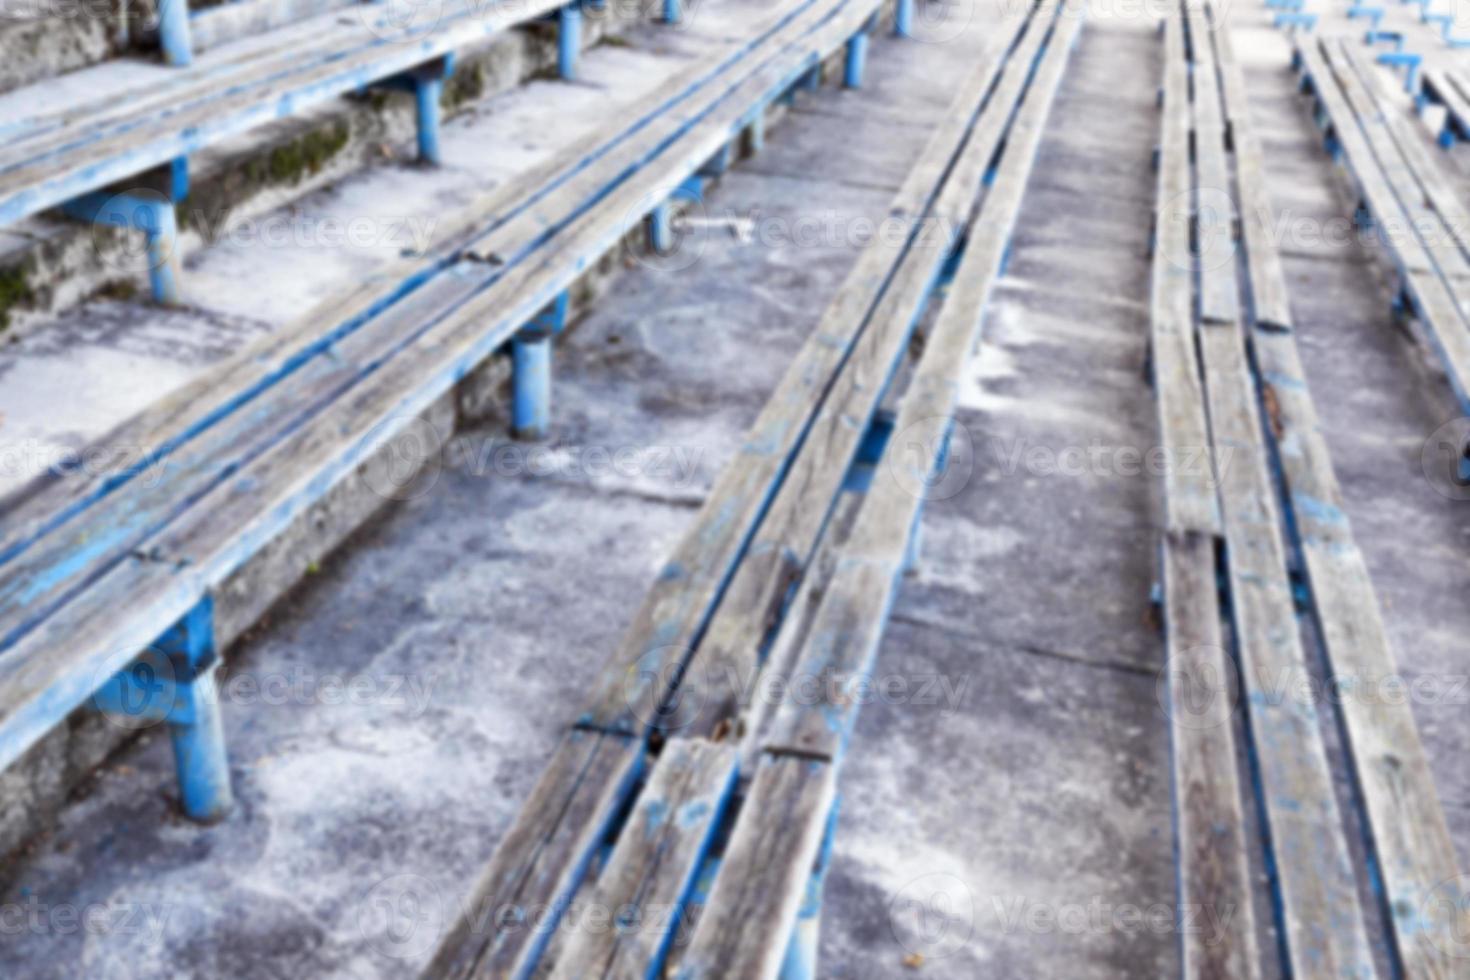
(720, 807)
(106, 578)
(1228, 377)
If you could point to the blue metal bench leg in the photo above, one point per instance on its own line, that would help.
(152, 215)
(801, 954)
(173, 32)
(903, 19)
(661, 229)
(755, 132)
(673, 11)
(195, 722)
(531, 364)
(569, 41)
(426, 82)
(857, 58)
(531, 407)
(427, 95)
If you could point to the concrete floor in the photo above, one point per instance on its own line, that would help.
(1040, 779)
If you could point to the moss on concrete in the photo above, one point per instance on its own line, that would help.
(15, 289)
(302, 157)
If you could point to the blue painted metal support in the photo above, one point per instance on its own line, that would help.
(1409, 62)
(870, 453)
(812, 80)
(531, 378)
(426, 82)
(717, 165)
(857, 59)
(1374, 35)
(801, 954)
(195, 724)
(1286, 5)
(427, 95)
(673, 11)
(154, 216)
(568, 40)
(755, 132)
(173, 32)
(903, 18)
(661, 229)
(1297, 22)
(173, 682)
(1374, 15)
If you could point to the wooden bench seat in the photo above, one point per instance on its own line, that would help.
(122, 159)
(1247, 363)
(1404, 190)
(95, 567)
(741, 593)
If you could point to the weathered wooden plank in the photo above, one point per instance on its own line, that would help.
(1189, 491)
(675, 612)
(843, 638)
(1424, 163)
(538, 865)
(1215, 205)
(731, 650)
(1415, 855)
(640, 897)
(1424, 222)
(748, 921)
(1210, 823)
(1270, 303)
(65, 172)
(1322, 920)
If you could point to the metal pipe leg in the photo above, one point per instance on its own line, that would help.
(427, 93)
(173, 32)
(569, 41)
(903, 19)
(163, 256)
(673, 11)
(531, 383)
(661, 229)
(195, 723)
(857, 58)
(200, 759)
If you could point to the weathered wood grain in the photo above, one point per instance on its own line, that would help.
(668, 625)
(748, 921)
(1325, 934)
(743, 626)
(1415, 855)
(1189, 491)
(640, 896)
(537, 865)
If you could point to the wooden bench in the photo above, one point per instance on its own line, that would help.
(122, 160)
(96, 567)
(1228, 376)
(1451, 90)
(1404, 190)
(720, 806)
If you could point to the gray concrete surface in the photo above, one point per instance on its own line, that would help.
(1022, 814)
